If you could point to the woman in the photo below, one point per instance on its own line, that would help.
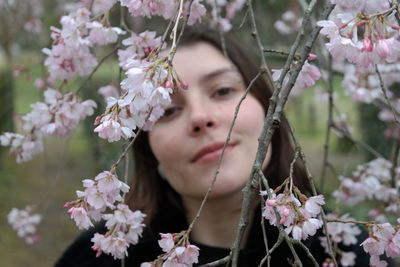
(176, 161)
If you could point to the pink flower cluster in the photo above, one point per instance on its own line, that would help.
(25, 223)
(145, 90)
(342, 233)
(371, 180)
(178, 252)
(384, 238)
(138, 47)
(98, 6)
(308, 75)
(124, 228)
(147, 93)
(165, 8)
(22, 147)
(99, 194)
(288, 24)
(298, 216)
(70, 54)
(102, 199)
(197, 9)
(364, 86)
(363, 32)
(57, 116)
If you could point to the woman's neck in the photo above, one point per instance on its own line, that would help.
(218, 220)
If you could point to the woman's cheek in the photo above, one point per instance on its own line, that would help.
(165, 147)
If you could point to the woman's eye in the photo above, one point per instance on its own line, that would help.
(223, 91)
(169, 112)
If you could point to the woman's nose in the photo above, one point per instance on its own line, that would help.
(202, 119)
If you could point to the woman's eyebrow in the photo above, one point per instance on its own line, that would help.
(205, 78)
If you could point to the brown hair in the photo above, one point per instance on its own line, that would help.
(149, 190)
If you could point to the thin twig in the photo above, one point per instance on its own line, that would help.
(128, 147)
(309, 255)
(328, 126)
(96, 68)
(351, 221)
(217, 262)
(262, 222)
(359, 142)
(384, 90)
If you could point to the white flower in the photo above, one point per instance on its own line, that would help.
(81, 218)
(24, 223)
(166, 242)
(347, 258)
(313, 204)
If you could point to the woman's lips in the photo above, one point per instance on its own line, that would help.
(211, 153)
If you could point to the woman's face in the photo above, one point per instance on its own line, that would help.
(188, 140)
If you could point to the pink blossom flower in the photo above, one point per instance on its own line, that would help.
(373, 246)
(376, 262)
(22, 147)
(81, 218)
(313, 204)
(197, 11)
(103, 35)
(107, 182)
(166, 242)
(347, 258)
(307, 77)
(101, 6)
(112, 130)
(24, 223)
(108, 91)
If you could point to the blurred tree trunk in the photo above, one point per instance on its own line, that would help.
(372, 130)
(6, 106)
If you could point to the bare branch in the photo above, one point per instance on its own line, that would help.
(96, 68)
(272, 119)
(384, 90)
(329, 124)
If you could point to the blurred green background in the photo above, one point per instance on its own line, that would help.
(51, 179)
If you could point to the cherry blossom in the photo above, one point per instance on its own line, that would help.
(353, 18)
(147, 90)
(139, 46)
(308, 75)
(22, 147)
(197, 11)
(297, 214)
(101, 193)
(178, 251)
(369, 181)
(124, 228)
(70, 54)
(25, 223)
(58, 116)
(290, 23)
(103, 35)
(108, 91)
(101, 6)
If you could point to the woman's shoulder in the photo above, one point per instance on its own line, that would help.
(81, 254)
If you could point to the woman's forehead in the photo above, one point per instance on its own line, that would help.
(201, 57)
